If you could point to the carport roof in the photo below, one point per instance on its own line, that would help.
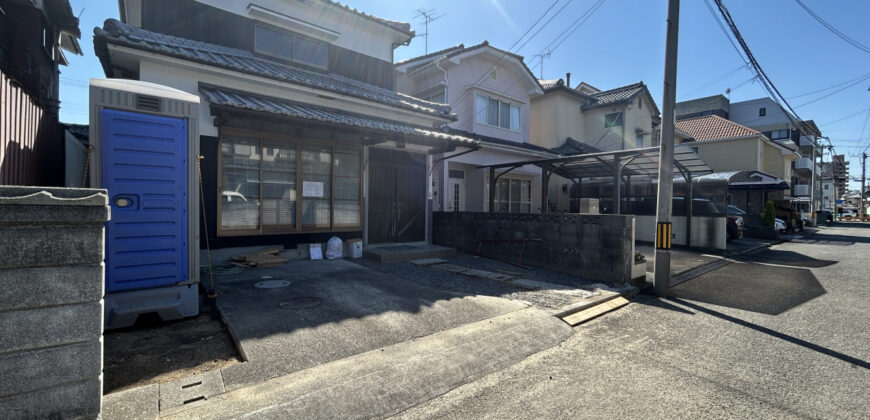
(644, 161)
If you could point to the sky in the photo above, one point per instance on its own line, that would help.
(623, 42)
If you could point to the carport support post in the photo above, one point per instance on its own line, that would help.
(617, 187)
(491, 189)
(662, 279)
(545, 189)
(690, 195)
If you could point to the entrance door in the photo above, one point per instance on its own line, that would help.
(456, 190)
(397, 196)
(144, 168)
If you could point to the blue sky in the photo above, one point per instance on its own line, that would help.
(622, 43)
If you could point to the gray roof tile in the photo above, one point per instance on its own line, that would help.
(617, 95)
(252, 102)
(116, 32)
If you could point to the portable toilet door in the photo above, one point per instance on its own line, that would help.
(145, 143)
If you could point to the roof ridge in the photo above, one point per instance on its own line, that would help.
(430, 55)
(394, 24)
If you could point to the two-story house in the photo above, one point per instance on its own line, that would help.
(303, 134)
(728, 148)
(490, 90)
(768, 117)
(33, 38)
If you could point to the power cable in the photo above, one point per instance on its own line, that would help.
(833, 93)
(859, 78)
(711, 82)
(844, 118)
(834, 30)
(725, 32)
(544, 25)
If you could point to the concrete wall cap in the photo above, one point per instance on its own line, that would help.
(15, 195)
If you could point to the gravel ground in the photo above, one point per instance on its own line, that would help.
(440, 279)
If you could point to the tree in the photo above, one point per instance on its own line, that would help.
(768, 215)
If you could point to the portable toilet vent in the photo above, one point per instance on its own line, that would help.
(145, 143)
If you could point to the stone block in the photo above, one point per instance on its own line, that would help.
(73, 400)
(43, 327)
(50, 245)
(32, 370)
(50, 286)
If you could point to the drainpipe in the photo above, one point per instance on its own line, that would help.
(446, 81)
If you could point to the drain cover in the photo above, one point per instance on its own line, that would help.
(271, 284)
(302, 302)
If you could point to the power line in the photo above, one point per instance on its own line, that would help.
(715, 80)
(545, 23)
(844, 118)
(834, 30)
(834, 92)
(725, 32)
(859, 78)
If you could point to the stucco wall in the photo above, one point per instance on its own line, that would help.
(619, 137)
(772, 161)
(734, 155)
(554, 117)
(707, 232)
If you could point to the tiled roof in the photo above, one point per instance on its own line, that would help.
(713, 127)
(253, 102)
(118, 33)
(431, 55)
(496, 140)
(614, 96)
(399, 26)
(550, 83)
(574, 147)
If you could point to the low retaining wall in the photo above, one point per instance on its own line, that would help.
(707, 232)
(51, 307)
(595, 247)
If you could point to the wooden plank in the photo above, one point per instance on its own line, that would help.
(268, 251)
(428, 261)
(595, 311)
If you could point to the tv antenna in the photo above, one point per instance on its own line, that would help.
(541, 57)
(428, 16)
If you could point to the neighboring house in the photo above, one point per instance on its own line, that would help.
(302, 133)
(711, 105)
(730, 147)
(490, 90)
(33, 38)
(767, 116)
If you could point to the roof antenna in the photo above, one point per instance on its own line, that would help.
(542, 56)
(428, 16)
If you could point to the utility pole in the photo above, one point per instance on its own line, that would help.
(863, 187)
(662, 279)
(428, 16)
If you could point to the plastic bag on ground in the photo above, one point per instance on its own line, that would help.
(333, 248)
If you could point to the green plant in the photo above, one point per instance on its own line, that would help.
(768, 215)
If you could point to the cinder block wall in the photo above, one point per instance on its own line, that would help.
(595, 247)
(51, 301)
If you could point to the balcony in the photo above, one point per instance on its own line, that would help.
(804, 164)
(805, 141)
(801, 190)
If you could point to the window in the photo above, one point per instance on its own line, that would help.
(762, 112)
(513, 195)
(638, 141)
(492, 111)
(613, 120)
(270, 185)
(779, 134)
(290, 46)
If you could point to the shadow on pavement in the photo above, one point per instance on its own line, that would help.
(791, 339)
(781, 257)
(758, 288)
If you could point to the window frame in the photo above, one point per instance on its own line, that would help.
(293, 36)
(298, 142)
(619, 117)
(501, 103)
(762, 111)
(509, 201)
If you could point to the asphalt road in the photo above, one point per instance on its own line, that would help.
(784, 333)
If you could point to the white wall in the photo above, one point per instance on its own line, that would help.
(707, 232)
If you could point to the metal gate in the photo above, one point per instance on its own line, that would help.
(144, 168)
(397, 196)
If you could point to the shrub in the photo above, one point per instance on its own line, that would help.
(768, 214)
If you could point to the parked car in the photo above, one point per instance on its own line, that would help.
(848, 214)
(735, 223)
(779, 225)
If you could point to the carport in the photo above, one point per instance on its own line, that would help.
(617, 168)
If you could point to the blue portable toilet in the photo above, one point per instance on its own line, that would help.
(145, 144)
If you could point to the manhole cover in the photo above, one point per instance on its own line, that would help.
(302, 302)
(271, 284)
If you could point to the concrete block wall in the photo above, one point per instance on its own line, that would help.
(51, 301)
(595, 247)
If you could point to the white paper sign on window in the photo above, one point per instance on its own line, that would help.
(312, 189)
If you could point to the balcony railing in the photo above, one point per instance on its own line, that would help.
(803, 164)
(801, 190)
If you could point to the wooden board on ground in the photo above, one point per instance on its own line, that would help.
(597, 310)
(428, 261)
(263, 258)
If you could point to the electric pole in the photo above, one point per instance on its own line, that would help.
(662, 279)
(428, 16)
(863, 187)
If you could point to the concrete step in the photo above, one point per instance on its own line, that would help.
(404, 252)
(386, 381)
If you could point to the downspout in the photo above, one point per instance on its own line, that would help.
(446, 81)
(444, 185)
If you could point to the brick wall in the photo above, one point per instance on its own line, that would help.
(51, 307)
(595, 247)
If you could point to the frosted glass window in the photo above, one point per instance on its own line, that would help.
(492, 111)
(279, 185)
(515, 117)
(480, 109)
(316, 171)
(240, 184)
(347, 188)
